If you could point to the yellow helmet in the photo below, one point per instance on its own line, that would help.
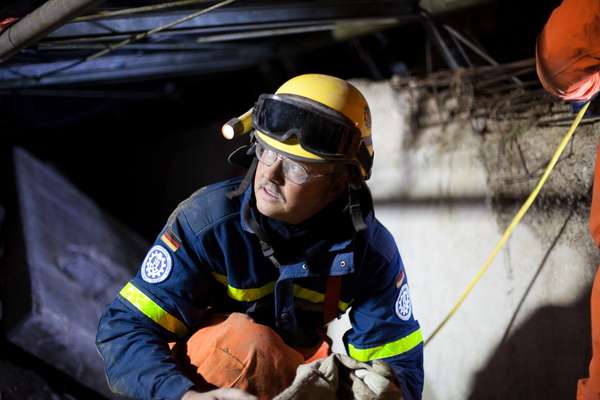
(317, 117)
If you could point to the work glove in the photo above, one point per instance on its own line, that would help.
(341, 377)
(367, 382)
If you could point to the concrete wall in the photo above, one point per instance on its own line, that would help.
(447, 193)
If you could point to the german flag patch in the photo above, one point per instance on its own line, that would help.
(170, 240)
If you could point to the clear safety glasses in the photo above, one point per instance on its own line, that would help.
(292, 170)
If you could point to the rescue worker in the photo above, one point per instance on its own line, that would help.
(589, 388)
(567, 51)
(257, 266)
(568, 65)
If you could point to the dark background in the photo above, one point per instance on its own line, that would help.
(139, 157)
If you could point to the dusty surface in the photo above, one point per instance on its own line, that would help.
(18, 383)
(23, 376)
(514, 144)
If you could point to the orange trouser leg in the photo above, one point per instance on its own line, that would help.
(568, 48)
(236, 352)
(594, 223)
(589, 389)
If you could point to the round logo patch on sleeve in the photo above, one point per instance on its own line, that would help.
(157, 265)
(403, 304)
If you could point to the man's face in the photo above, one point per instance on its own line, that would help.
(278, 198)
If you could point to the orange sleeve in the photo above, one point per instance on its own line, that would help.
(568, 50)
(589, 388)
(595, 209)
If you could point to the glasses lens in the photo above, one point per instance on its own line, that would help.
(258, 149)
(265, 156)
(294, 172)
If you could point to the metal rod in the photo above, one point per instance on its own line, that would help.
(446, 77)
(462, 51)
(502, 77)
(141, 46)
(34, 26)
(264, 33)
(475, 49)
(134, 38)
(144, 35)
(439, 41)
(472, 46)
(139, 10)
(204, 31)
(367, 60)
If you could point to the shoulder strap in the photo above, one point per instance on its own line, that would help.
(332, 297)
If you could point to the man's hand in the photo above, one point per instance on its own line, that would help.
(218, 394)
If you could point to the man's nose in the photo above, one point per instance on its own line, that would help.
(274, 172)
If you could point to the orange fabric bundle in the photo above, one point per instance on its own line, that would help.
(236, 352)
(568, 50)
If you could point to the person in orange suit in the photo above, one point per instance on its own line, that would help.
(568, 66)
(589, 388)
(568, 51)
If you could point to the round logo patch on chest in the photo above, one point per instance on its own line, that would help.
(157, 265)
(403, 304)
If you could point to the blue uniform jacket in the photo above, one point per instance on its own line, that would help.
(207, 256)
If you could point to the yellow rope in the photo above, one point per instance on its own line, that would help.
(514, 223)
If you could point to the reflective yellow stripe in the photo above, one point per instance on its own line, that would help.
(220, 278)
(316, 297)
(343, 306)
(387, 350)
(152, 310)
(309, 295)
(251, 294)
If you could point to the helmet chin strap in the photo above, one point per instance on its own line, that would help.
(355, 186)
(248, 178)
(263, 238)
(266, 248)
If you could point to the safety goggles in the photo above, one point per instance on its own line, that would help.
(319, 129)
(292, 170)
